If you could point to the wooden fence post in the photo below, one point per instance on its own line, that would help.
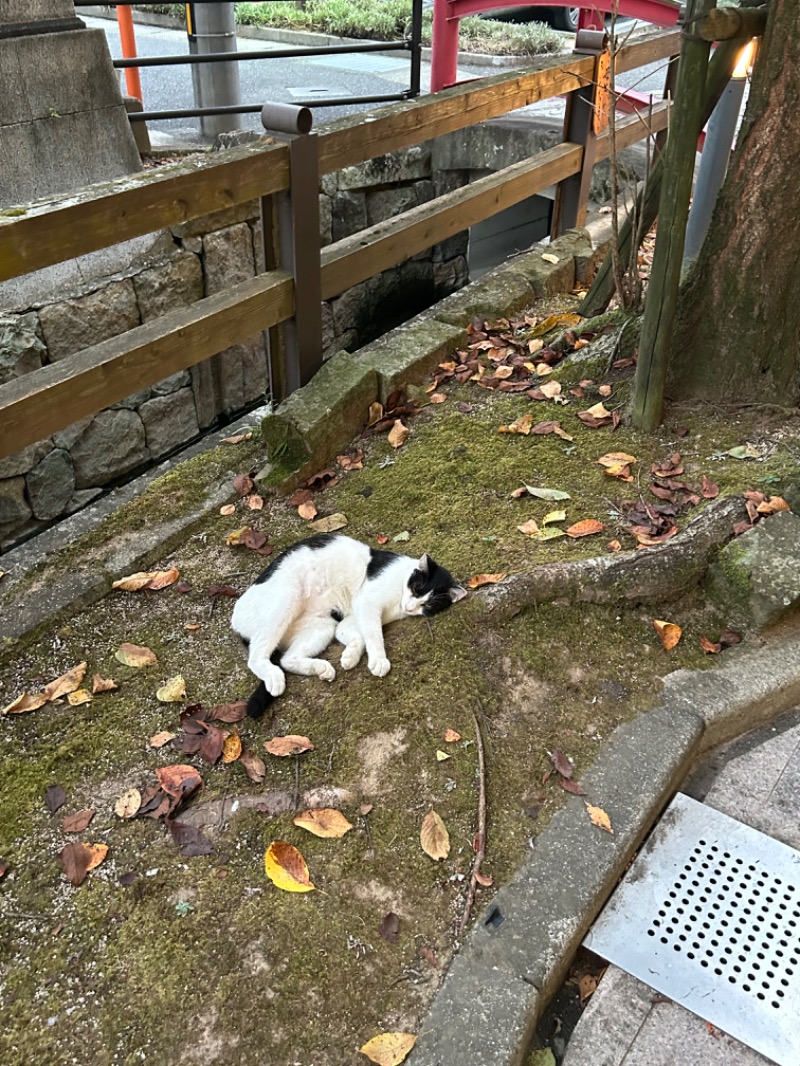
(296, 214)
(584, 119)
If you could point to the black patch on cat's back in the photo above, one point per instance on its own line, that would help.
(378, 561)
(314, 543)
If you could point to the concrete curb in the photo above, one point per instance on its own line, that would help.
(519, 950)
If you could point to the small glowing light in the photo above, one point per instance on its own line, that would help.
(744, 63)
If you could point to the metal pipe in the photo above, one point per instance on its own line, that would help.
(415, 44)
(215, 86)
(276, 53)
(286, 118)
(252, 109)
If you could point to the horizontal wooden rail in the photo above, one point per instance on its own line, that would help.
(38, 404)
(364, 254)
(103, 215)
(640, 51)
(634, 128)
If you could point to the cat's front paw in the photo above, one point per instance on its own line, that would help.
(274, 679)
(351, 657)
(379, 666)
(325, 672)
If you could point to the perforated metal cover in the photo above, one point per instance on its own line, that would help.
(709, 915)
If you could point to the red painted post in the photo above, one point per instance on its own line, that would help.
(127, 38)
(444, 46)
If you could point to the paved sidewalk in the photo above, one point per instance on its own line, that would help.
(756, 780)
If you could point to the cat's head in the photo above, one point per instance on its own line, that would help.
(430, 589)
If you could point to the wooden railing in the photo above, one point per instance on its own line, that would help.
(39, 403)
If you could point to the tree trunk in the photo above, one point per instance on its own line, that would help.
(737, 339)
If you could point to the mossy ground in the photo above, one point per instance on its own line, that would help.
(203, 960)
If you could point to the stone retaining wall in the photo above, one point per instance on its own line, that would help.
(56, 477)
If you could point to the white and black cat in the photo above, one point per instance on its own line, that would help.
(332, 586)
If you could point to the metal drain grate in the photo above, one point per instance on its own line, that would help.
(709, 915)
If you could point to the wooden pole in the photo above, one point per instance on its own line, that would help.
(602, 288)
(676, 191)
(731, 23)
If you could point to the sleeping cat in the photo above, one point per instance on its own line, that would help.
(328, 586)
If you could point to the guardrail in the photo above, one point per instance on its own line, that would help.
(36, 236)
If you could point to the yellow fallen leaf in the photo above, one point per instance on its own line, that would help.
(103, 684)
(442, 755)
(485, 579)
(97, 853)
(433, 836)
(323, 822)
(135, 655)
(550, 533)
(599, 817)
(172, 691)
(543, 369)
(565, 321)
(773, 505)
(554, 516)
(78, 697)
(502, 372)
(24, 703)
(235, 538)
(398, 434)
(375, 413)
(520, 425)
(65, 684)
(668, 633)
(388, 1049)
(231, 747)
(598, 411)
(128, 804)
(286, 868)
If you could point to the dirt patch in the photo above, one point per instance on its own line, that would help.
(375, 752)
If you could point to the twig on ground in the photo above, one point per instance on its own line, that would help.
(296, 783)
(480, 835)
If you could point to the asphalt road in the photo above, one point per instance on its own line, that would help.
(291, 80)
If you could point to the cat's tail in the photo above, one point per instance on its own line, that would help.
(261, 699)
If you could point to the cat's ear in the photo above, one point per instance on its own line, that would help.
(457, 593)
(425, 564)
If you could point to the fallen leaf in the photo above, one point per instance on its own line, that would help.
(75, 858)
(364, 809)
(708, 489)
(390, 927)
(521, 425)
(529, 528)
(433, 836)
(485, 579)
(728, 637)
(189, 840)
(550, 533)
(76, 823)
(605, 391)
(243, 484)
(599, 817)
(614, 546)
(572, 786)
(772, 505)
(438, 397)
(550, 258)
(552, 495)
(24, 703)
(54, 798)
(483, 879)
(229, 712)
(286, 867)
(291, 744)
(375, 413)
(307, 511)
(451, 736)
(554, 516)
(158, 740)
(78, 697)
(323, 822)
(430, 956)
(561, 762)
(744, 451)
(255, 502)
(709, 646)
(228, 509)
(179, 780)
(587, 528)
(232, 748)
(236, 439)
(253, 766)
(65, 684)
(388, 1049)
(128, 804)
(103, 684)
(403, 535)
(134, 655)
(382, 538)
(398, 434)
(550, 389)
(441, 755)
(668, 633)
(172, 691)
(612, 459)
(329, 524)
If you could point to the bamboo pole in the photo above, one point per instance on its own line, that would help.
(731, 23)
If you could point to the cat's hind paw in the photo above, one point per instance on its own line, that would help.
(380, 667)
(351, 657)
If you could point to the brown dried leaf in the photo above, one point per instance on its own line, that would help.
(529, 528)
(451, 736)
(179, 780)
(229, 712)
(572, 786)
(587, 528)
(292, 744)
(398, 434)
(65, 684)
(134, 655)
(329, 524)
(227, 509)
(128, 804)
(709, 647)
(255, 502)
(479, 580)
(75, 858)
(521, 425)
(102, 684)
(243, 484)
(77, 822)
(433, 836)
(390, 927)
(307, 511)
(24, 703)
(231, 748)
(772, 505)
(286, 867)
(158, 740)
(79, 697)
(708, 489)
(54, 798)
(253, 766)
(561, 762)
